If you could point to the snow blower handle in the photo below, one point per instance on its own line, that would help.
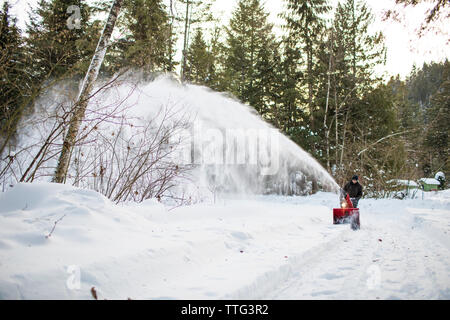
(349, 201)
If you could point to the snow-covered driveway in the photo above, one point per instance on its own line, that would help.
(265, 247)
(389, 258)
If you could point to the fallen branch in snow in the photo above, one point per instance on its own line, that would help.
(54, 226)
(94, 293)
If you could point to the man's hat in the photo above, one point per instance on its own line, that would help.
(355, 177)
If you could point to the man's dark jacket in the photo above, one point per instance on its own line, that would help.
(354, 190)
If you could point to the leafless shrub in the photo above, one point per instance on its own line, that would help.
(377, 164)
(40, 134)
(134, 162)
(124, 157)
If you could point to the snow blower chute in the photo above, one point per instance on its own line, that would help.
(346, 213)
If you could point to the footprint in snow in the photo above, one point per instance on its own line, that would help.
(330, 276)
(323, 293)
(240, 235)
(346, 268)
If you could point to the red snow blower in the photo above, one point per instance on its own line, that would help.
(346, 213)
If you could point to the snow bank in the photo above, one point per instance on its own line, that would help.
(146, 250)
(232, 249)
(430, 181)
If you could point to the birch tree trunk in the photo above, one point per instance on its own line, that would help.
(84, 93)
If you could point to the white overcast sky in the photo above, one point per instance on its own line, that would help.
(404, 46)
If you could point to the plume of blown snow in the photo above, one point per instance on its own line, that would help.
(232, 149)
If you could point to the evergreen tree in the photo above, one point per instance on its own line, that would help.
(438, 127)
(408, 112)
(374, 117)
(250, 55)
(56, 50)
(148, 41)
(304, 20)
(423, 83)
(13, 79)
(356, 53)
(425, 95)
(410, 118)
(196, 11)
(199, 61)
(289, 114)
(360, 50)
(215, 67)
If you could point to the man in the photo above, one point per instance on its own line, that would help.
(354, 190)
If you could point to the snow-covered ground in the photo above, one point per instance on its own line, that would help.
(266, 247)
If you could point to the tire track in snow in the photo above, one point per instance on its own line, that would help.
(265, 284)
(383, 260)
(331, 275)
